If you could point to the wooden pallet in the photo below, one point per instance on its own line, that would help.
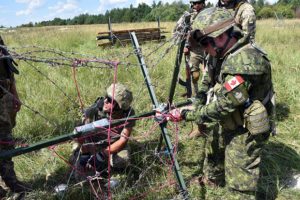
(109, 38)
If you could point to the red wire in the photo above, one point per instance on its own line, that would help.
(76, 85)
(109, 130)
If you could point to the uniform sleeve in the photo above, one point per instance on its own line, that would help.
(247, 19)
(220, 108)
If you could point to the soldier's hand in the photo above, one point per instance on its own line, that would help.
(186, 51)
(174, 115)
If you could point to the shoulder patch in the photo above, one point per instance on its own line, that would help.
(233, 83)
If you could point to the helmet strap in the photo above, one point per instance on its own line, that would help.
(219, 50)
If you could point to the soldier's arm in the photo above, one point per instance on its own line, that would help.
(120, 143)
(247, 19)
(224, 105)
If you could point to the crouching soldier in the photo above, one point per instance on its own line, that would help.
(92, 154)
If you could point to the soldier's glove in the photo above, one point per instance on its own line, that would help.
(174, 115)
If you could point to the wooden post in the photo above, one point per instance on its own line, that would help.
(111, 36)
(158, 25)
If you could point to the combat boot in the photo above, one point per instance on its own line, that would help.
(2, 193)
(18, 187)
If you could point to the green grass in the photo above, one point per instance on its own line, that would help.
(147, 176)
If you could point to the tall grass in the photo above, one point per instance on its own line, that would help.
(42, 169)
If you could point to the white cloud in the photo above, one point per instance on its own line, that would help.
(61, 7)
(32, 5)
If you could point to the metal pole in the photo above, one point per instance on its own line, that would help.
(73, 135)
(174, 80)
(163, 128)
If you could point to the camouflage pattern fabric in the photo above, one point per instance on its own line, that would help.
(245, 17)
(7, 123)
(121, 95)
(196, 53)
(234, 144)
(210, 16)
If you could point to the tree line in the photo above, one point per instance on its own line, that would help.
(168, 12)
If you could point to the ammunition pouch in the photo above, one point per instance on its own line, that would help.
(232, 121)
(256, 118)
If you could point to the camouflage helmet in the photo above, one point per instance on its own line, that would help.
(229, 4)
(122, 95)
(212, 22)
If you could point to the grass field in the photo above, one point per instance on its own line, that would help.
(149, 178)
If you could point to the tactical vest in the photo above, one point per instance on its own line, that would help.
(252, 63)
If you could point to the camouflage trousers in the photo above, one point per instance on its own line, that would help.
(7, 114)
(7, 122)
(118, 161)
(233, 159)
(196, 58)
(7, 172)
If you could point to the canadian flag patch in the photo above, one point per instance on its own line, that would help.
(233, 82)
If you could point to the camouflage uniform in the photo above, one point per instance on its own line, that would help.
(196, 55)
(118, 161)
(196, 58)
(234, 151)
(7, 123)
(244, 16)
(245, 19)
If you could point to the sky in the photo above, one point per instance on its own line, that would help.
(17, 12)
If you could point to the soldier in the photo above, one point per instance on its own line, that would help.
(243, 101)
(196, 55)
(9, 106)
(244, 16)
(94, 150)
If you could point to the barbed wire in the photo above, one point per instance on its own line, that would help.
(55, 58)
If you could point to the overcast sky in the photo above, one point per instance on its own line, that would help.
(17, 12)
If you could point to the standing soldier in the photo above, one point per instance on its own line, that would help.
(9, 106)
(243, 101)
(194, 56)
(244, 14)
(94, 150)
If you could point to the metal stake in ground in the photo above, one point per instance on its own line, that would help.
(163, 128)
